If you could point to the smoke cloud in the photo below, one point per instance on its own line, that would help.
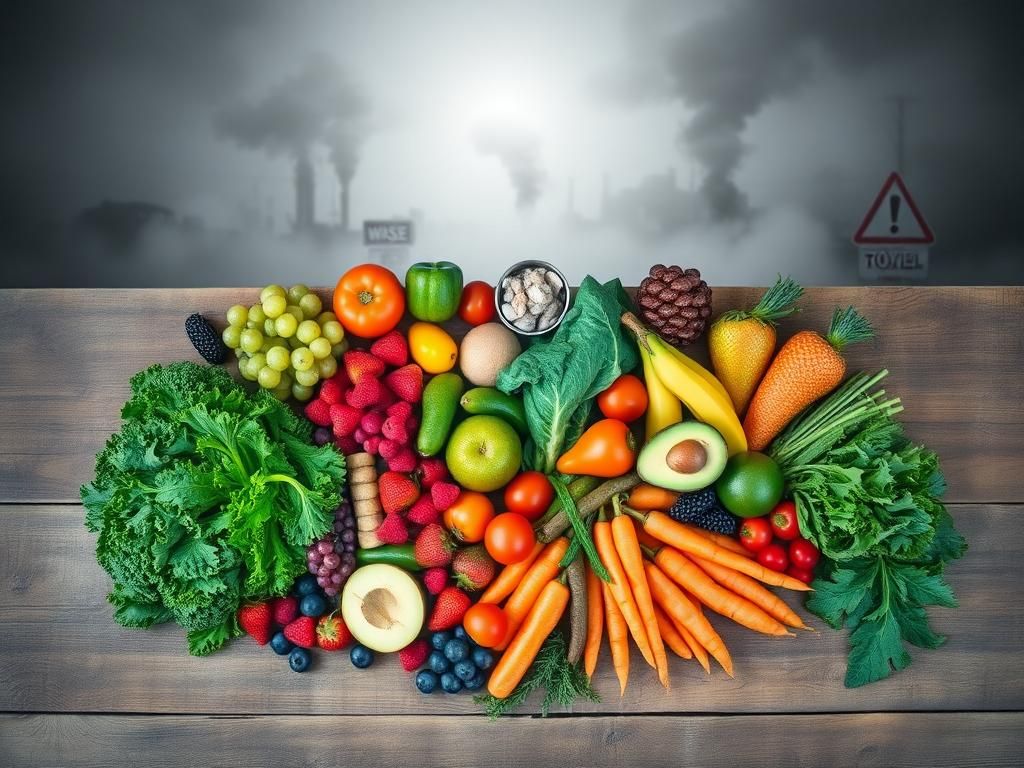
(518, 150)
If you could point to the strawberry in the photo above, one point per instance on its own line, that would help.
(403, 461)
(344, 418)
(400, 410)
(406, 382)
(284, 610)
(331, 633)
(372, 421)
(387, 398)
(302, 631)
(359, 364)
(318, 411)
(397, 491)
(444, 494)
(473, 568)
(389, 449)
(413, 655)
(423, 512)
(393, 530)
(449, 608)
(435, 579)
(430, 471)
(364, 393)
(392, 349)
(394, 429)
(331, 391)
(346, 445)
(372, 444)
(433, 546)
(254, 618)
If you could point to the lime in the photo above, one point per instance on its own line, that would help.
(751, 484)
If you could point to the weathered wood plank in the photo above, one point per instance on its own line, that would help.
(955, 356)
(63, 652)
(953, 739)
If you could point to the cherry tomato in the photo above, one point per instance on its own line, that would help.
(529, 494)
(477, 304)
(486, 624)
(625, 399)
(469, 516)
(509, 538)
(784, 522)
(755, 534)
(773, 556)
(369, 301)
(801, 574)
(804, 554)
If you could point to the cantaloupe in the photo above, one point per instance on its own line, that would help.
(485, 351)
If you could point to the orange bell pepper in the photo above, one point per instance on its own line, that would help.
(607, 449)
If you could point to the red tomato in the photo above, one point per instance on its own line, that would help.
(477, 304)
(755, 534)
(784, 522)
(801, 574)
(469, 516)
(773, 556)
(625, 399)
(529, 494)
(804, 554)
(509, 538)
(486, 624)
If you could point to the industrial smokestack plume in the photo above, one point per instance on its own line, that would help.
(344, 145)
(518, 149)
(305, 206)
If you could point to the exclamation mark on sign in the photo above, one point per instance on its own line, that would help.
(894, 213)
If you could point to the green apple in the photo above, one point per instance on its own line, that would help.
(383, 607)
(484, 453)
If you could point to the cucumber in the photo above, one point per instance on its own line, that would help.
(399, 555)
(488, 401)
(440, 399)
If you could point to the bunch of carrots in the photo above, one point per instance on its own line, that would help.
(663, 574)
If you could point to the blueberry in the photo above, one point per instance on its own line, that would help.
(281, 645)
(476, 683)
(460, 633)
(313, 605)
(465, 670)
(299, 659)
(483, 658)
(426, 681)
(450, 683)
(456, 649)
(438, 640)
(361, 656)
(306, 585)
(438, 662)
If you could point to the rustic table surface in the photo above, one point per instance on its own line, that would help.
(76, 689)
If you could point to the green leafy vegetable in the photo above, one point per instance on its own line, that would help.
(562, 682)
(869, 499)
(206, 497)
(560, 378)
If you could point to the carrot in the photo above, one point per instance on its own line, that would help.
(686, 574)
(595, 622)
(620, 589)
(677, 605)
(806, 368)
(628, 549)
(540, 621)
(672, 637)
(747, 587)
(509, 578)
(728, 542)
(647, 497)
(618, 637)
(543, 570)
(677, 535)
(699, 651)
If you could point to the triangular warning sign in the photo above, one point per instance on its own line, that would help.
(893, 218)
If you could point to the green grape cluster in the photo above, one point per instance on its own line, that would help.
(286, 342)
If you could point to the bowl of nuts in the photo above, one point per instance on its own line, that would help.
(532, 297)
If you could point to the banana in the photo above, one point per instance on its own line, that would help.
(699, 369)
(663, 408)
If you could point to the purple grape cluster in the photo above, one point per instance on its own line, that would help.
(333, 558)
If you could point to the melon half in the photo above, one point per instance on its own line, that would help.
(383, 607)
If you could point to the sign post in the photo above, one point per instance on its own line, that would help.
(893, 238)
(388, 241)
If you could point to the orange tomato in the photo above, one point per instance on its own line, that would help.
(625, 399)
(369, 300)
(469, 516)
(607, 449)
(509, 538)
(486, 624)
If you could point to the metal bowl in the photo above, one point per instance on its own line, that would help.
(518, 267)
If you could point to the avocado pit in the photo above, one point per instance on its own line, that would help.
(687, 457)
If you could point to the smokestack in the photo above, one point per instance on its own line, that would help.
(346, 185)
(305, 214)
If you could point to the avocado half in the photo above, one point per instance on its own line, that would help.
(684, 457)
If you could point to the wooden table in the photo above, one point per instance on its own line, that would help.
(76, 689)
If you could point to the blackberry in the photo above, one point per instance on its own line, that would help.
(701, 508)
(205, 339)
